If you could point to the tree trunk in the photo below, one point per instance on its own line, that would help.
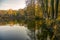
(52, 8)
(57, 3)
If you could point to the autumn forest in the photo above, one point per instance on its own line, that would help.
(42, 18)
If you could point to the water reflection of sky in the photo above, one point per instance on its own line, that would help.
(14, 32)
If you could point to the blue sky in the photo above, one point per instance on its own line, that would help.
(12, 4)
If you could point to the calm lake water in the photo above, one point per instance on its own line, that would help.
(14, 32)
